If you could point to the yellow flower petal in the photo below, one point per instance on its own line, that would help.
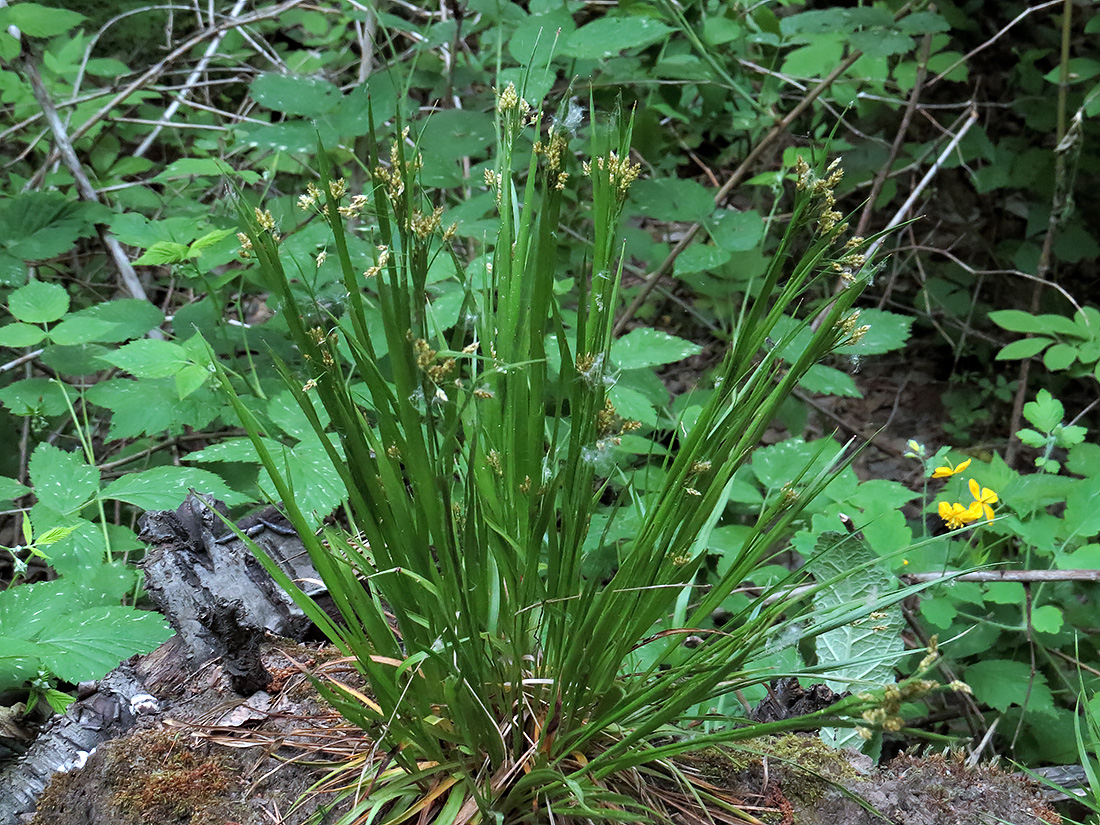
(948, 470)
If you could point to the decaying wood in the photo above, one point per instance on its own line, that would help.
(220, 602)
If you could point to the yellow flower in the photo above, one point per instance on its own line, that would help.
(983, 497)
(948, 471)
(956, 515)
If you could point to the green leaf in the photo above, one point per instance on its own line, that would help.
(672, 199)
(700, 258)
(1045, 412)
(19, 335)
(35, 20)
(1024, 348)
(736, 231)
(84, 330)
(36, 226)
(163, 488)
(306, 96)
(1015, 320)
(888, 331)
(10, 489)
(39, 302)
(149, 358)
(645, 347)
(1002, 683)
(829, 381)
(1059, 357)
(1047, 619)
(152, 406)
(62, 481)
(87, 644)
(128, 317)
(34, 396)
(196, 248)
(607, 36)
(164, 252)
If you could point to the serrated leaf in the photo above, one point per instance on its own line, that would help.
(209, 239)
(151, 406)
(1001, 683)
(10, 489)
(163, 488)
(149, 358)
(164, 252)
(34, 396)
(824, 380)
(128, 317)
(645, 347)
(39, 302)
(87, 644)
(62, 481)
(36, 226)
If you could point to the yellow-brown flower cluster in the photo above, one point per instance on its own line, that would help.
(621, 172)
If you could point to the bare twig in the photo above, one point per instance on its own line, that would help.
(192, 79)
(158, 68)
(903, 210)
(64, 147)
(991, 40)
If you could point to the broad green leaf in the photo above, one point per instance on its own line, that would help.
(34, 396)
(1015, 320)
(83, 330)
(36, 226)
(672, 199)
(129, 318)
(86, 644)
(149, 358)
(1024, 348)
(1002, 683)
(62, 481)
(1047, 618)
(19, 335)
(10, 489)
(888, 331)
(607, 36)
(163, 488)
(1059, 357)
(39, 302)
(700, 258)
(825, 380)
(306, 96)
(645, 347)
(736, 231)
(866, 650)
(151, 406)
(35, 20)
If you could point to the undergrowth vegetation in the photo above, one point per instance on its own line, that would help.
(555, 308)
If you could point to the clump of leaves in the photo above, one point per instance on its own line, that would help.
(503, 681)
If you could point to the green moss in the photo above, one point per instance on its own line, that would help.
(156, 777)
